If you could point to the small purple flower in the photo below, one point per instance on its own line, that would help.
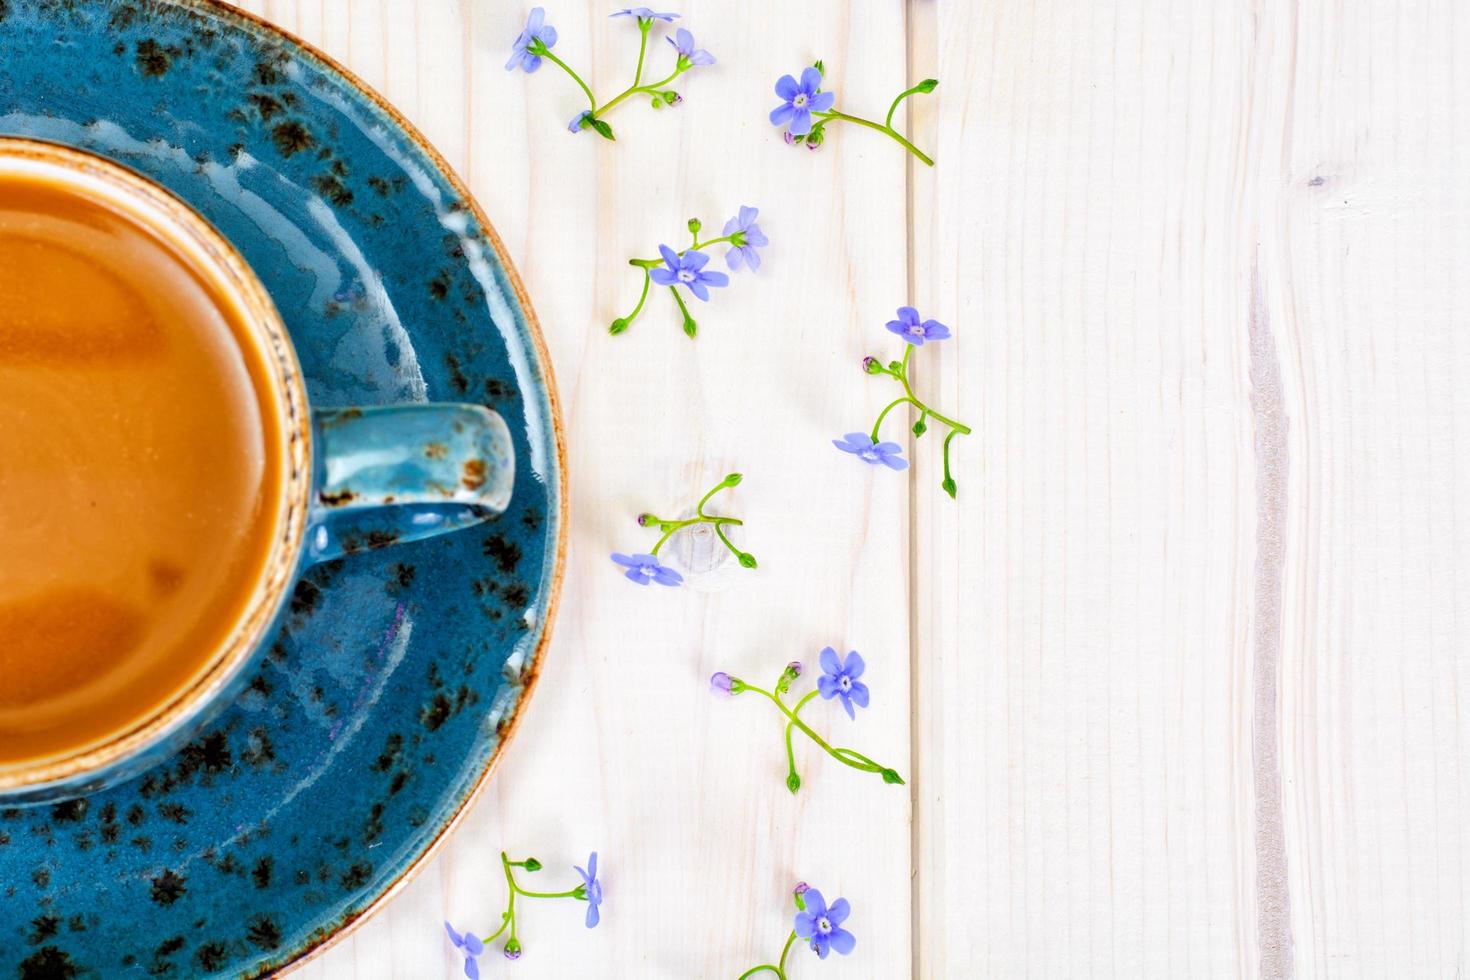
(594, 891)
(536, 30)
(643, 13)
(861, 445)
(794, 668)
(512, 949)
(909, 328)
(800, 100)
(821, 925)
(687, 270)
(747, 237)
(470, 945)
(840, 680)
(645, 568)
(683, 43)
(722, 683)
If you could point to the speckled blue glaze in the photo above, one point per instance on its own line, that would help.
(397, 671)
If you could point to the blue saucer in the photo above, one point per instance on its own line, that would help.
(401, 672)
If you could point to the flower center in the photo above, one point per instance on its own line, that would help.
(917, 330)
(824, 925)
(844, 683)
(869, 455)
(800, 100)
(685, 275)
(648, 571)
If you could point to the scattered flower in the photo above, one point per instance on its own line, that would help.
(646, 568)
(642, 568)
(643, 13)
(683, 42)
(840, 680)
(535, 39)
(916, 333)
(806, 111)
(800, 100)
(589, 891)
(872, 452)
(594, 890)
(821, 925)
(745, 237)
(687, 269)
(472, 948)
(910, 329)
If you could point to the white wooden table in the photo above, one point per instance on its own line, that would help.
(1179, 680)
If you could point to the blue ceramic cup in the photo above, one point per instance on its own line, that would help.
(352, 479)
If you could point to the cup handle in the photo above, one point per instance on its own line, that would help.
(404, 472)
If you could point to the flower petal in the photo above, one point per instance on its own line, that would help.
(805, 925)
(839, 912)
(801, 122)
(714, 279)
(752, 258)
(854, 664)
(811, 80)
(735, 256)
(934, 330)
(472, 968)
(592, 868)
(663, 276)
(847, 706)
(842, 941)
(828, 657)
(531, 64)
(669, 256)
(786, 87)
(895, 326)
(827, 687)
(593, 916)
(454, 937)
(472, 944)
(747, 215)
(627, 561)
(894, 462)
(781, 115)
(537, 18)
(859, 693)
(699, 289)
(908, 315)
(695, 260)
(815, 903)
(547, 36)
(701, 57)
(667, 576)
(685, 42)
(820, 102)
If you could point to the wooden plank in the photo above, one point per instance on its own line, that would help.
(1085, 799)
(623, 749)
(1373, 297)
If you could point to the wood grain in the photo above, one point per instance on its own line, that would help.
(1178, 676)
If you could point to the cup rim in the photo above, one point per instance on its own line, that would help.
(165, 214)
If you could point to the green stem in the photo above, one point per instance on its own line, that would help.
(952, 433)
(566, 894)
(757, 969)
(688, 320)
(643, 26)
(676, 526)
(903, 376)
(781, 963)
(651, 89)
(901, 96)
(642, 298)
(510, 908)
(806, 729)
(888, 130)
(884, 414)
(541, 50)
(726, 541)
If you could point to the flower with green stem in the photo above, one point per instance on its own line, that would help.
(806, 111)
(869, 449)
(471, 947)
(535, 42)
(816, 922)
(840, 680)
(642, 568)
(687, 268)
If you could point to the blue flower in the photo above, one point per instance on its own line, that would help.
(470, 945)
(747, 238)
(579, 120)
(536, 30)
(801, 99)
(840, 680)
(687, 270)
(909, 328)
(645, 568)
(594, 890)
(643, 13)
(821, 925)
(685, 46)
(861, 445)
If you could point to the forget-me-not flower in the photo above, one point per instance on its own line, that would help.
(594, 890)
(687, 270)
(821, 925)
(910, 329)
(861, 445)
(840, 680)
(470, 945)
(746, 237)
(646, 568)
(643, 13)
(800, 100)
(536, 29)
(683, 43)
